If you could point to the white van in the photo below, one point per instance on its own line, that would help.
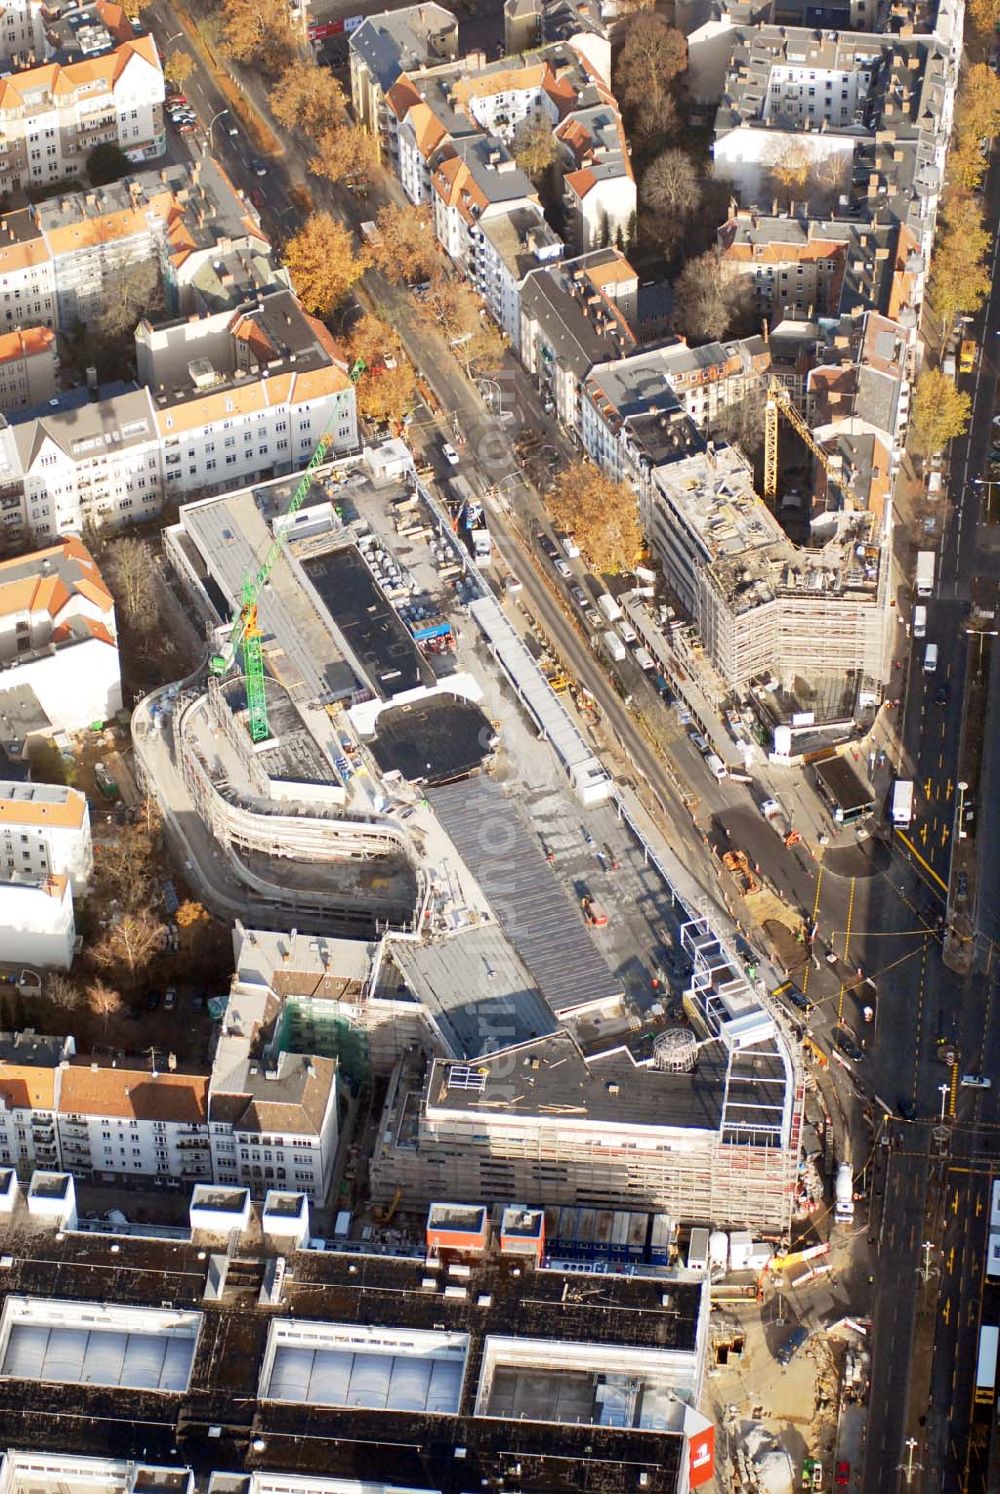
(930, 658)
(919, 622)
(715, 766)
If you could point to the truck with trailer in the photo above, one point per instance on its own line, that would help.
(902, 803)
(926, 560)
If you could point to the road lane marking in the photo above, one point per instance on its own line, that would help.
(847, 947)
(925, 864)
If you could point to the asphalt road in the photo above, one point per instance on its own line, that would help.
(924, 1002)
(887, 922)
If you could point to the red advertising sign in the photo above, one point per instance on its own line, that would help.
(701, 1458)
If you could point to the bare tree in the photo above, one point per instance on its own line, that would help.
(671, 184)
(708, 300)
(129, 944)
(62, 991)
(104, 1002)
(125, 866)
(653, 55)
(130, 569)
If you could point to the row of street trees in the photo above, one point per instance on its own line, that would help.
(960, 277)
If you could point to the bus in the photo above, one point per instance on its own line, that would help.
(986, 1365)
(967, 356)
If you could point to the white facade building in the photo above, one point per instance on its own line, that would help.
(53, 116)
(45, 828)
(36, 921)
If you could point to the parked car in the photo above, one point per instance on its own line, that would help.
(152, 1001)
(176, 98)
(842, 1477)
(449, 453)
(792, 1344)
(170, 998)
(847, 1045)
(562, 567)
(258, 167)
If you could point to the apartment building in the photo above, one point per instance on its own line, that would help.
(244, 397)
(632, 408)
(473, 181)
(386, 46)
(22, 34)
(37, 927)
(232, 398)
(256, 1123)
(510, 246)
(29, 1068)
(119, 1124)
(574, 314)
(274, 1123)
(599, 191)
(45, 828)
(67, 259)
(58, 644)
(29, 367)
(861, 117)
(103, 85)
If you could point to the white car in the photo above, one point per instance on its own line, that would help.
(562, 568)
(976, 1081)
(449, 453)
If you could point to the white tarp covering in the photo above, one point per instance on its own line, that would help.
(338, 1377)
(136, 1361)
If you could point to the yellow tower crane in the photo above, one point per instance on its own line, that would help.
(779, 402)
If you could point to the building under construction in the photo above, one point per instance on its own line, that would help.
(808, 618)
(700, 1122)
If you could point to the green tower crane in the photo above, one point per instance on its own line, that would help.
(245, 633)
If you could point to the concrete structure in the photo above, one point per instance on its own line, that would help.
(617, 1127)
(58, 637)
(45, 828)
(104, 85)
(36, 921)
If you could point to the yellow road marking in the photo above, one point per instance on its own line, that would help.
(908, 843)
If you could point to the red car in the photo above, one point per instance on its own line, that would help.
(842, 1477)
(176, 98)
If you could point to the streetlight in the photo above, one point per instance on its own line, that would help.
(491, 393)
(176, 37)
(962, 786)
(208, 133)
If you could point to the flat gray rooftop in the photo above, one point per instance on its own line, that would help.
(545, 928)
(476, 988)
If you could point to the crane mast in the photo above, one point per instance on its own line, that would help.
(245, 634)
(779, 402)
